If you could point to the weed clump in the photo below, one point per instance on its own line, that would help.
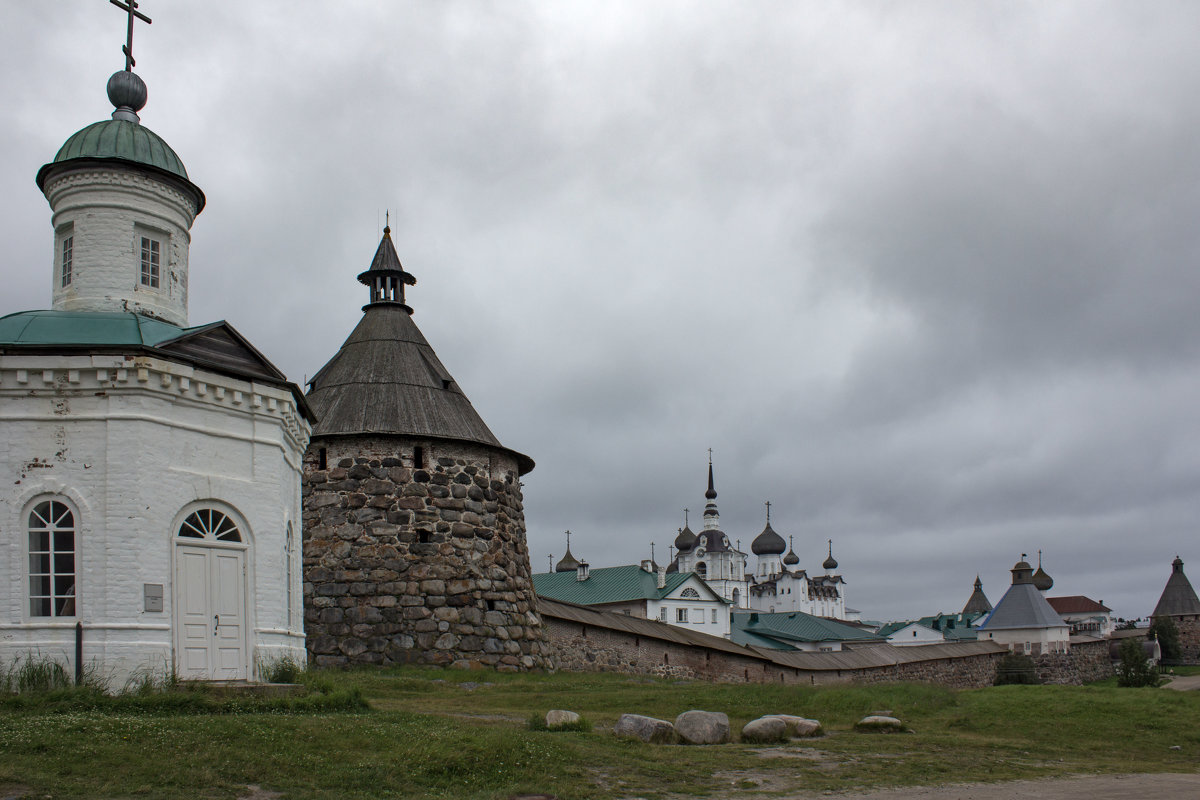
(537, 722)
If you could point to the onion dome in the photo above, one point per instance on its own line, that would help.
(791, 559)
(713, 541)
(1042, 581)
(768, 543)
(830, 562)
(567, 563)
(1022, 572)
(686, 540)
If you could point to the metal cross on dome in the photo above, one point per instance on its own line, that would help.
(130, 7)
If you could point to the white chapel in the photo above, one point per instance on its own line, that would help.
(149, 468)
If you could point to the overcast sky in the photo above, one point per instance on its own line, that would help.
(926, 276)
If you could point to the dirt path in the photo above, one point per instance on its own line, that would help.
(1090, 787)
(1184, 683)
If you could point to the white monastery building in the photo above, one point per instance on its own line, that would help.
(149, 471)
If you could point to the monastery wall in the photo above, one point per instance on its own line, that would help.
(422, 563)
(592, 648)
(1085, 662)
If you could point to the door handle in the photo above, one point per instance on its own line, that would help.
(216, 623)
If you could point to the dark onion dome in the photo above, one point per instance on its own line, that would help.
(1178, 597)
(1041, 580)
(768, 543)
(567, 564)
(711, 494)
(791, 559)
(830, 562)
(686, 540)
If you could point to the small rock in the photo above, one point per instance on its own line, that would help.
(765, 729)
(558, 718)
(880, 723)
(1175, 747)
(800, 727)
(703, 727)
(646, 729)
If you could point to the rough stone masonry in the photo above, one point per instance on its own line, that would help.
(408, 563)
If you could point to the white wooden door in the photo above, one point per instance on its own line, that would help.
(210, 591)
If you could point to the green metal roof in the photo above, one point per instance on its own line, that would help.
(103, 328)
(607, 585)
(128, 141)
(796, 627)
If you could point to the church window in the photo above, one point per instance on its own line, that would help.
(714, 616)
(690, 592)
(151, 261)
(208, 523)
(681, 615)
(51, 560)
(702, 570)
(68, 250)
(662, 614)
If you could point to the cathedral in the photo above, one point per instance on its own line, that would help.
(775, 585)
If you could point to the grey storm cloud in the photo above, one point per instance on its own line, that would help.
(922, 275)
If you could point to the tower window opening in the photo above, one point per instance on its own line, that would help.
(419, 457)
(322, 459)
(68, 248)
(151, 262)
(423, 538)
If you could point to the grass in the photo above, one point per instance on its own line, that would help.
(438, 734)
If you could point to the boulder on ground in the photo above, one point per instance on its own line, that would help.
(879, 723)
(703, 727)
(646, 729)
(800, 727)
(557, 718)
(765, 729)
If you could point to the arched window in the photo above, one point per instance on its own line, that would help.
(208, 523)
(690, 592)
(737, 596)
(51, 560)
(702, 569)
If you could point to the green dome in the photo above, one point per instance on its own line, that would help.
(128, 141)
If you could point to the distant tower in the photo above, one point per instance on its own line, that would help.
(568, 563)
(712, 557)
(1179, 604)
(414, 529)
(978, 602)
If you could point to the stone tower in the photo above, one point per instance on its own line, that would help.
(414, 530)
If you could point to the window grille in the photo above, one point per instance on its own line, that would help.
(51, 560)
(151, 257)
(68, 248)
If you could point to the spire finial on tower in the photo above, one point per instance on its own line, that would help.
(386, 276)
(768, 504)
(685, 517)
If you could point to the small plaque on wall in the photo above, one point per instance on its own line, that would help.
(153, 593)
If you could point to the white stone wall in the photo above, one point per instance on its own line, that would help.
(1055, 639)
(106, 211)
(130, 442)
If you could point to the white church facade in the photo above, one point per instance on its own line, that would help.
(149, 471)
